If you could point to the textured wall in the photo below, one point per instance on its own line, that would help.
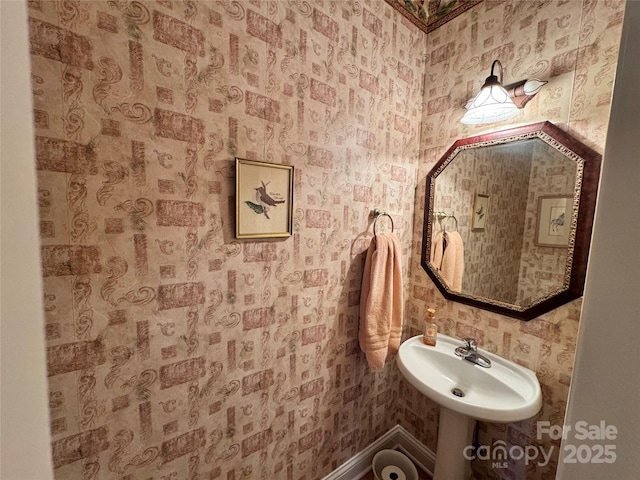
(175, 351)
(574, 45)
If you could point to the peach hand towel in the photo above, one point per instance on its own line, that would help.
(437, 250)
(447, 257)
(381, 300)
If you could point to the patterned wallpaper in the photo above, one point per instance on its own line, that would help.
(574, 45)
(174, 350)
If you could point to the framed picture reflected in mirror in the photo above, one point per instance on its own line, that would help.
(480, 212)
(553, 221)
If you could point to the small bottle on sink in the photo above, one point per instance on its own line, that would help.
(430, 328)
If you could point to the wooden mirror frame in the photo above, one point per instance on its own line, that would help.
(587, 177)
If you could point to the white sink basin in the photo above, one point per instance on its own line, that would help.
(505, 392)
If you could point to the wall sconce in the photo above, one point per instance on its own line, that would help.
(496, 103)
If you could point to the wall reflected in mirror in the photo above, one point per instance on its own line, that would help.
(523, 202)
(494, 191)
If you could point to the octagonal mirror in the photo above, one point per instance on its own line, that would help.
(508, 219)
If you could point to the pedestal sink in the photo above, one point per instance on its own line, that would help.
(466, 392)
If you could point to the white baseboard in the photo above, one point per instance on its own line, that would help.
(422, 456)
(396, 438)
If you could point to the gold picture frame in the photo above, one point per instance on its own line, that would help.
(264, 199)
(553, 222)
(480, 212)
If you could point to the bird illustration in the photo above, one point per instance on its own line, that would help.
(259, 209)
(263, 197)
(557, 223)
(480, 212)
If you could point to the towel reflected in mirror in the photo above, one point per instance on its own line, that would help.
(447, 257)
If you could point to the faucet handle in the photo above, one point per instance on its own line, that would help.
(470, 344)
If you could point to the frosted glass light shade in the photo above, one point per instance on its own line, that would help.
(492, 104)
(532, 86)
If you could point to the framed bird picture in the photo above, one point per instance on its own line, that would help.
(480, 212)
(264, 199)
(553, 223)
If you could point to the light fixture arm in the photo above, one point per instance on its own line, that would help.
(492, 80)
(493, 66)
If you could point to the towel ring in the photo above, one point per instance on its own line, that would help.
(376, 214)
(441, 216)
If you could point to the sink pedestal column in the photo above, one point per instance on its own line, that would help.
(455, 433)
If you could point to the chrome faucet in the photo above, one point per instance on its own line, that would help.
(469, 351)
